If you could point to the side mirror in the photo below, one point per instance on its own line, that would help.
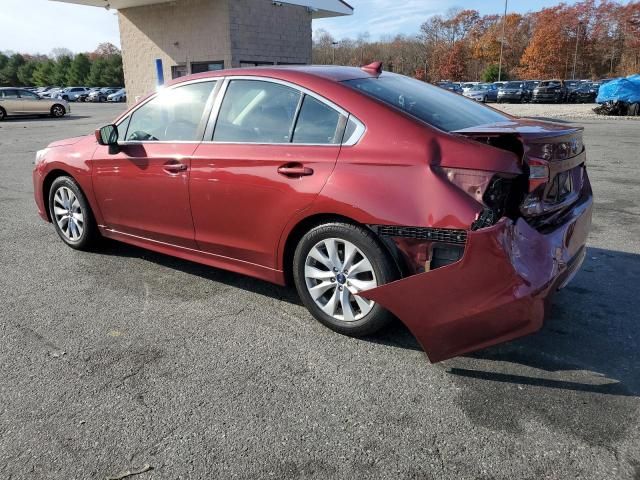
(107, 135)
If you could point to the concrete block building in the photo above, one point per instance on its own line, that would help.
(192, 36)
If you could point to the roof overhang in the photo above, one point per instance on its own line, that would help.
(319, 8)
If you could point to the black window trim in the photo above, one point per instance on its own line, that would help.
(201, 126)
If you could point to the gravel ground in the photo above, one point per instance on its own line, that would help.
(578, 111)
(120, 358)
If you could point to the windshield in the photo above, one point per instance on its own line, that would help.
(435, 106)
(513, 85)
(549, 83)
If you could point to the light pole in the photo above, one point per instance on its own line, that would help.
(334, 52)
(575, 54)
(504, 20)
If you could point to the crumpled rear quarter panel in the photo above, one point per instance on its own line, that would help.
(497, 292)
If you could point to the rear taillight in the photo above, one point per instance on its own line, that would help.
(538, 173)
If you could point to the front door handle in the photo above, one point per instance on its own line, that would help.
(295, 170)
(175, 167)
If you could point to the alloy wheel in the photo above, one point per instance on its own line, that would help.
(58, 111)
(68, 214)
(335, 272)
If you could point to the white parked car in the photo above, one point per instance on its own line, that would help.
(71, 94)
(119, 96)
(466, 86)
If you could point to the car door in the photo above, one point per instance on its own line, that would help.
(143, 189)
(269, 154)
(31, 103)
(10, 101)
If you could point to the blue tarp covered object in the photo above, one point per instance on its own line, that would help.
(625, 89)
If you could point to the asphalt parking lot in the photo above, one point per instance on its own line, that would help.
(120, 358)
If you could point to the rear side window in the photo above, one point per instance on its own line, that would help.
(317, 123)
(437, 107)
(8, 93)
(255, 111)
(173, 115)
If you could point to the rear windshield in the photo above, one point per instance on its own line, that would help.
(443, 109)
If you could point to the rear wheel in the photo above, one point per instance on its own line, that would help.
(71, 214)
(58, 111)
(332, 264)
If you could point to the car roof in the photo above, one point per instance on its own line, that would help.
(288, 72)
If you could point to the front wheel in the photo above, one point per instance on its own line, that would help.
(3, 114)
(71, 215)
(58, 111)
(332, 264)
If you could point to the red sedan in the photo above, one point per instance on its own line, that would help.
(375, 194)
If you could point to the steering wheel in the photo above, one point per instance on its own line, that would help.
(141, 136)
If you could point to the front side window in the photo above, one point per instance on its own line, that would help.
(317, 123)
(254, 111)
(173, 115)
(435, 106)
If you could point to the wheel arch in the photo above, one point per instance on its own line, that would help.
(48, 181)
(316, 219)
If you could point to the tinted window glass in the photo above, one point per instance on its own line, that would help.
(317, 123)
(9, 93)
(255, 111)
(27, 94)
(514, 85)
(435, 106)
(173, 115)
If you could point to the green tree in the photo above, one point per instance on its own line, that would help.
(43, 74)
(61, 70)
(25, 73)
(79, 70)
(9, 73)
(490, 74)
(97, 73)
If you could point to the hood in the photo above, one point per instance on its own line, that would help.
(70, 141)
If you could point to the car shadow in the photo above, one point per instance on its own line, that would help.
(592, 325)
(42, 118)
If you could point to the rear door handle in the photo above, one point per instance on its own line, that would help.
(175, 167)
(295, 170)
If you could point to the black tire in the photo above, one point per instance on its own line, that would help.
(58, 111)
(383, 267)
(3, 114)
(633, 109)
(90, 234)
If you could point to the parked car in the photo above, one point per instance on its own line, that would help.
(499, 85)
(549, 91)
(294, 174)
(102, 94)
(119, 96)
(585, 93)
(85, 95)
(18, 101)
(468, 86)
(515, 91)
(51, 92)
(71, 94)
(452, 87)
(484, 92)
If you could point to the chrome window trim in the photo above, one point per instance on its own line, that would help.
(216, 98)
(357, 135)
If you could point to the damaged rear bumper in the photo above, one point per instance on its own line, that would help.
(497, 292)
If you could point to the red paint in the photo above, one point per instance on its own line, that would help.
(234, 206)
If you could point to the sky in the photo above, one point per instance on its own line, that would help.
(38, 26)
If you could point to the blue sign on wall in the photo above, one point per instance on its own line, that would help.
(159, 72)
